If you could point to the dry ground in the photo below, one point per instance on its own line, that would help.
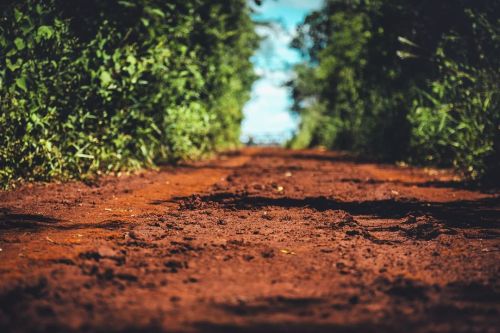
(262, 240)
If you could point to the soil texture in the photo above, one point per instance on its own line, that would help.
(258, 240)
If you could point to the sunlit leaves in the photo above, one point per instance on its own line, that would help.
(105, 78)
(101, 91)
(21, 83)
(19, 43)
(44, 32)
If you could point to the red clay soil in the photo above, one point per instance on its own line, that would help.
(262, 240)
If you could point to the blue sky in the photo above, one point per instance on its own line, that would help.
(268, 110)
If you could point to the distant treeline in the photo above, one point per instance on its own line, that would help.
(403, 80)
(105, 85)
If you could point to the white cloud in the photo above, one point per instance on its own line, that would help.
(275, 52)
(268, 110)
(302, 4)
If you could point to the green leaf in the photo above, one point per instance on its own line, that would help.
(405, 55)
(39, 9)
(12, 67)
(44, 32)
(19, 44)
(131, 59)
(21, 83)
(17, 15)
(157, 12)
(105, 78)
(126, 4)
(406, 41)
(81, 155)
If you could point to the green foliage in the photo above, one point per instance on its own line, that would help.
(457, 118)
(90, 86)
(402, 80)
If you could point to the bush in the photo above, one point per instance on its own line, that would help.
(456, 118)
(403, 80)
(110, 85)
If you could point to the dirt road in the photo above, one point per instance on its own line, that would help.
(262, 240)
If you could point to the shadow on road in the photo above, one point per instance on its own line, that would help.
(25, 221)
(483, 213)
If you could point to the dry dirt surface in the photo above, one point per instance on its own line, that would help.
(260, 240)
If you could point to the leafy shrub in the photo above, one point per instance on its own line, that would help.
(457, 119)
(403, 80)
(108, 85)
